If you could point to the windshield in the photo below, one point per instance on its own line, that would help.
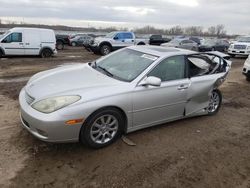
(244, 39)
(126, 64)
(110, 35)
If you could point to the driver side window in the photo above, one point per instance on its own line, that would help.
(172, 68)
(13, 37)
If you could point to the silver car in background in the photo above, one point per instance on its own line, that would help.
(128, 90)
(182, 43)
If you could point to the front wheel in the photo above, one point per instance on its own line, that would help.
(214, 102)
(105, 49)
(102, 129)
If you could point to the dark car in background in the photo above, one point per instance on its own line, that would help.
(214, 45)
(61, 41)
(80, 40)
(182, 43)
(157, 40)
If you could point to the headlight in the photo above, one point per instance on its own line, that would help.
(231, 46)
(54, 103)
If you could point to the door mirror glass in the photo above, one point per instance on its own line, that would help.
(151, 81)
(116, 38)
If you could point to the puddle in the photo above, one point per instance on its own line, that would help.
(10, 80)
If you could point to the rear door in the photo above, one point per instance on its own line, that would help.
(201, 85)
(32, 42)
(13, 44)
(128, 39)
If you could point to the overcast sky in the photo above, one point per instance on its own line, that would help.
(234, 14)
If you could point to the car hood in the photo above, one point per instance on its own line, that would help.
(100, 39)
(242, 43)
(68, 80)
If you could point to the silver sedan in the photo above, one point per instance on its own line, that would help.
(128, 90)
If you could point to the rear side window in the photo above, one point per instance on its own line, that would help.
(172, 68)
(13, 37)
(198, 66)
(127, 36)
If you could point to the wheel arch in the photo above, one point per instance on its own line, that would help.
(124, 129)
(46, 47)
(105, 43)
(2, 50)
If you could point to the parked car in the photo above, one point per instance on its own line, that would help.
(214, 45)
(28, 41)
(80, 40)
(157, 40)
(96, 102)
(241, 47)
(114, 41)
(61, 41)
(182, 43)
(246, 68)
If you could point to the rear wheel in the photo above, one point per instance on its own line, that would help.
(105, 49)
(46, 53)
(102, 129)
(214, 102)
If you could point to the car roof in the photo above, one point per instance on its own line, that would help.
(161, 51)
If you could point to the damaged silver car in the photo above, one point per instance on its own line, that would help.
(128, 90)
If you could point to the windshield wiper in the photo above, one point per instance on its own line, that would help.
(105, 70)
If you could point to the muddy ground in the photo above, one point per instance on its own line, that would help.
(197, 152)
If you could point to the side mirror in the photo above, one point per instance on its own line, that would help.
(116, 38)
(151, 81)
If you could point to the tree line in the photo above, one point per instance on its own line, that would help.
(213, 31)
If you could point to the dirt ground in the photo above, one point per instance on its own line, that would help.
(201, 152)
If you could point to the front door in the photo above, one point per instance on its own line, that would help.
(154, 105)
(13, 44)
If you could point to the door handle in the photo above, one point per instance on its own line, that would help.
(20, 43)
(27, 43)
(182, 87)
(123, 40)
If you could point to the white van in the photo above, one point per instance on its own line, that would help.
(28, 41)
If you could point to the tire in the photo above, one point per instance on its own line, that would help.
(105, 49)
(59, 45)
(102, 128)
(46, 53)
(247, 78)
(73, 44)
(1, 54)
(141, 43)
(214, 102)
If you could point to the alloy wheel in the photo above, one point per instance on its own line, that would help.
(104, 129)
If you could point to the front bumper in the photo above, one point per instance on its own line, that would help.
(90, 48)
(239, 52)
(246, 70)
(48, 127)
